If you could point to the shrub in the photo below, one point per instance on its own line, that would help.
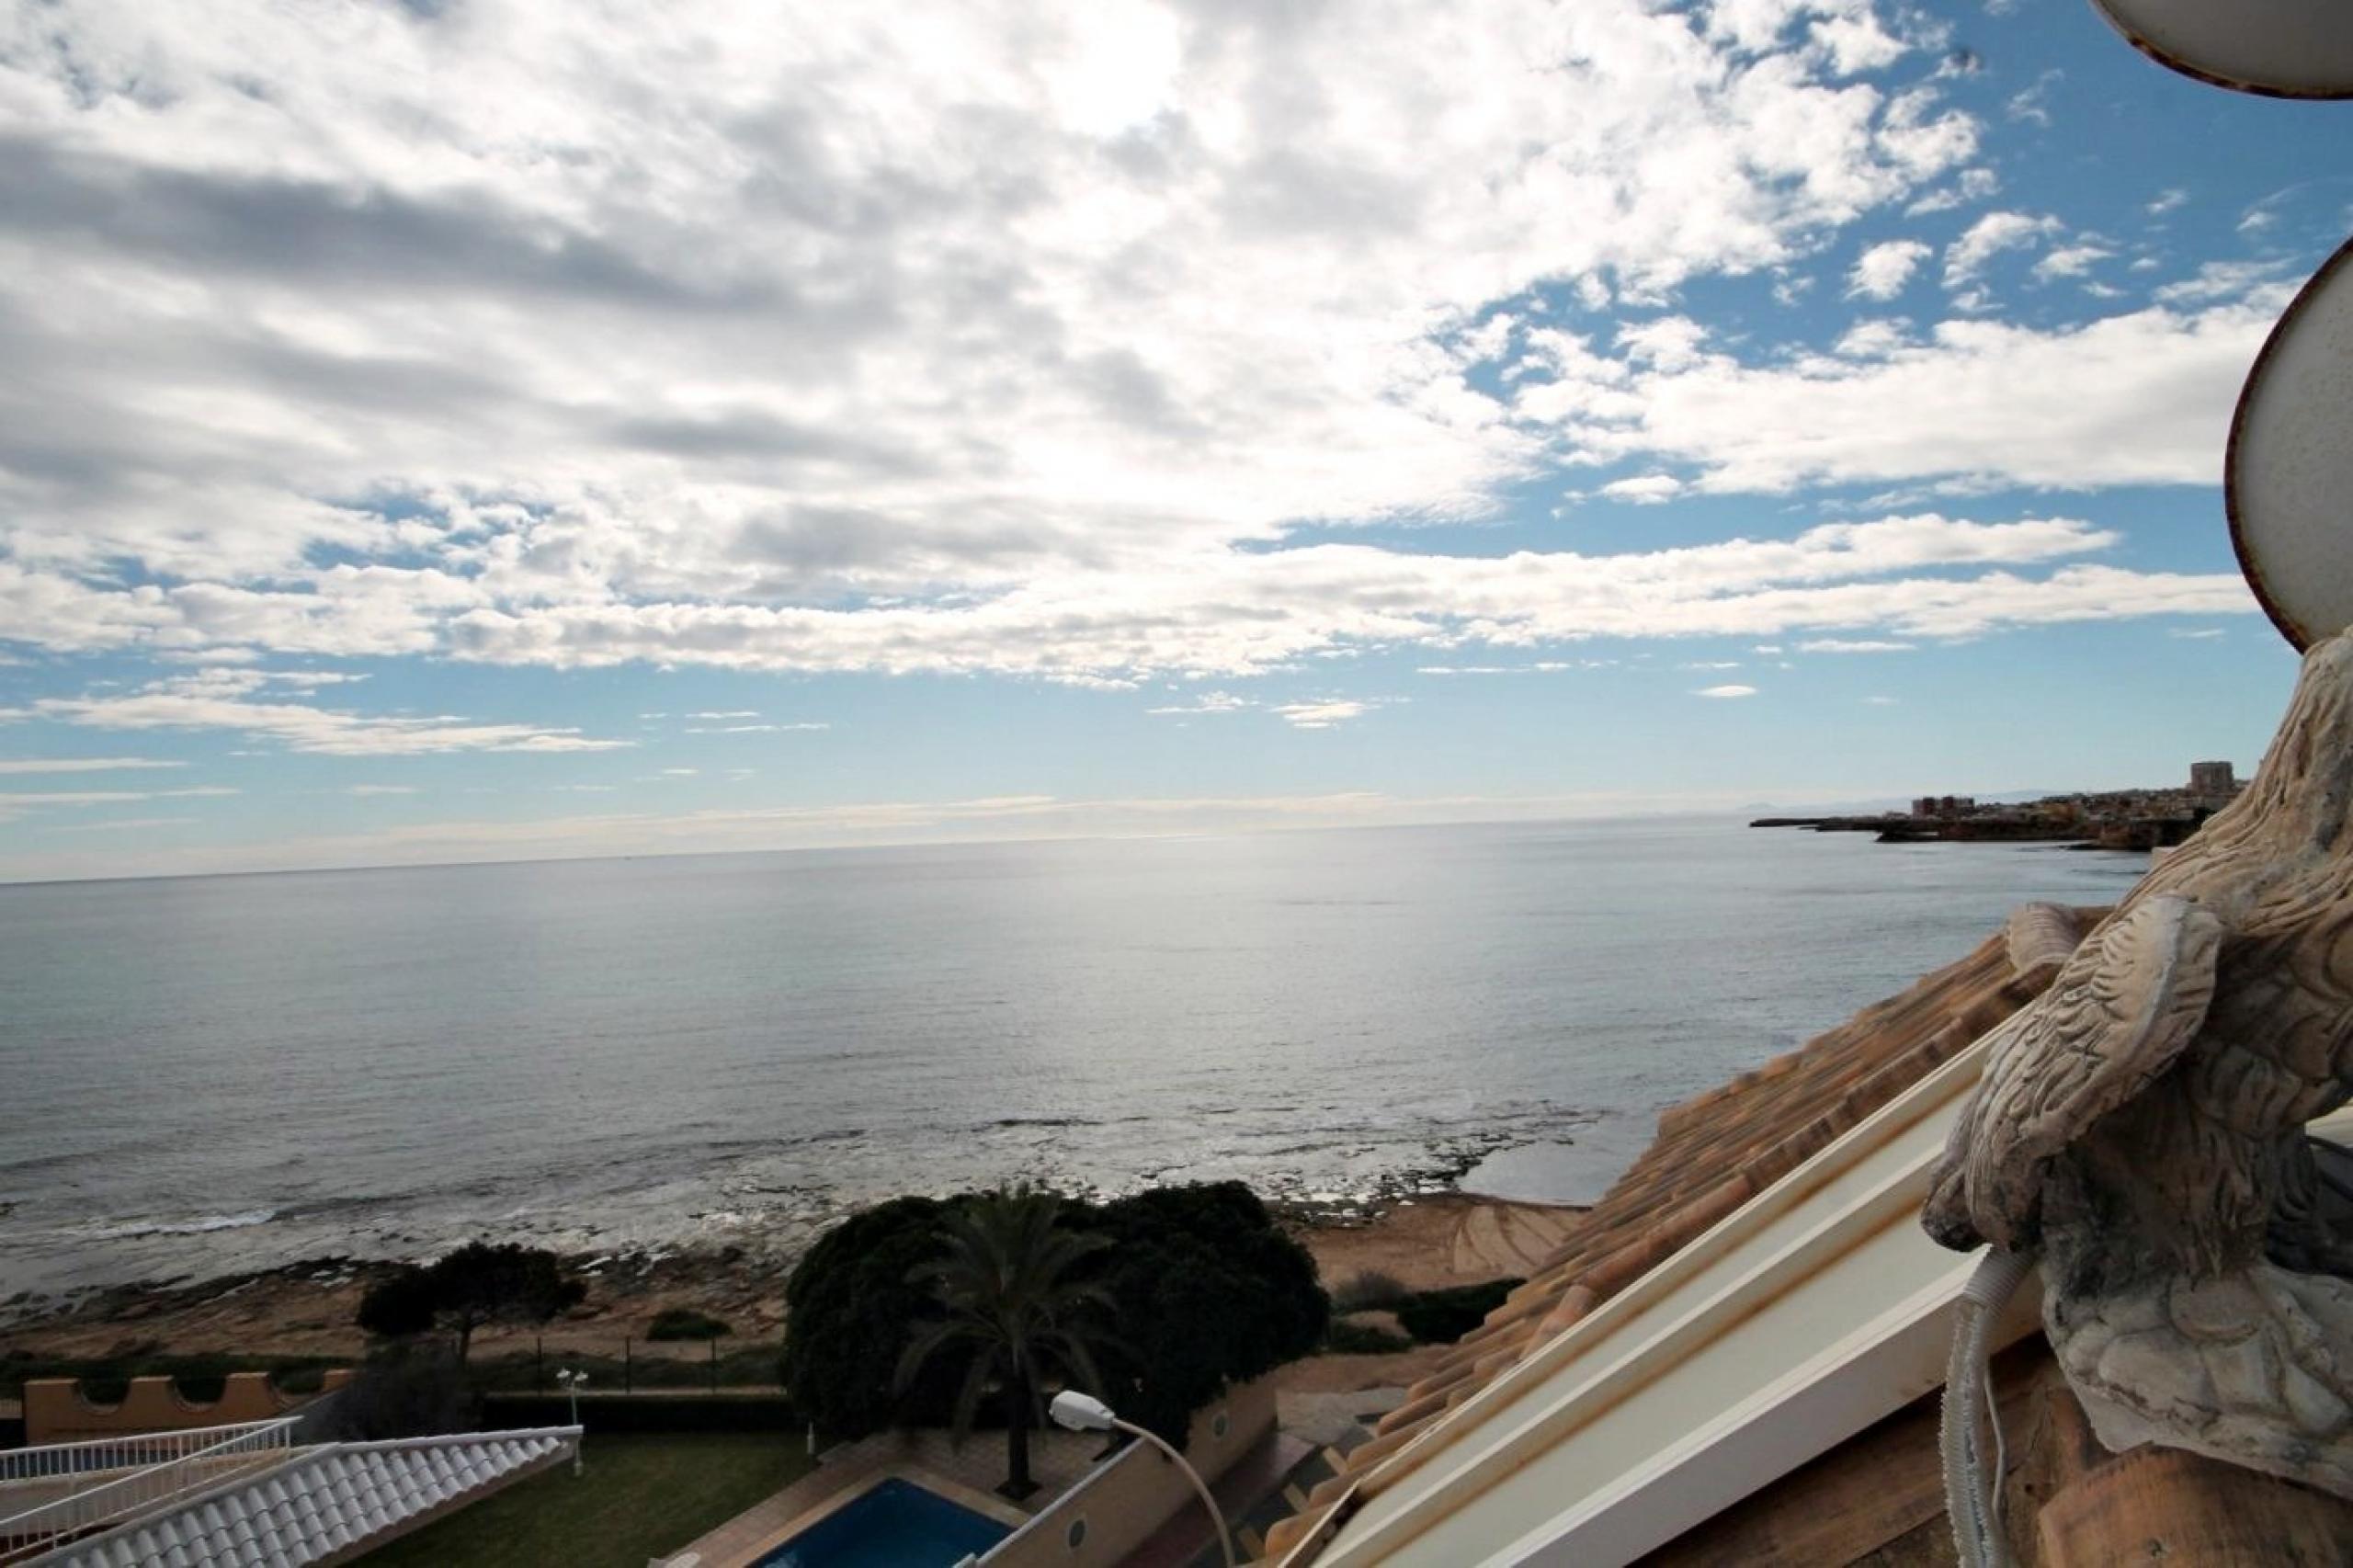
(1367, 1288)
(685, 1323)
(407, 1389)
(1346, 1338)
(1443, 1316)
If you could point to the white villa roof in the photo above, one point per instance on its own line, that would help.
(325, 1503)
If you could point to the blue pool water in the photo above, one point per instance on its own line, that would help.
(895, 1525)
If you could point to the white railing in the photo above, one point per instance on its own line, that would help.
(130, 1451)
(112, 1479)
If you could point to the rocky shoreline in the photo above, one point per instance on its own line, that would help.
(1422, 1237)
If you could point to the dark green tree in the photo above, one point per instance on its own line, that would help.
(475, 1285)
(1018, 1308)
(1206, 1291)
(850, 1308)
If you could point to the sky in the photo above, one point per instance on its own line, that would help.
(461, 429)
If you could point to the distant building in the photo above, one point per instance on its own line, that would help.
(2212, 781)
(1943, 805)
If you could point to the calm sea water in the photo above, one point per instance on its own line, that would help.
(212, 1073)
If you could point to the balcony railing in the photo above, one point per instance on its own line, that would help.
(109, 1480)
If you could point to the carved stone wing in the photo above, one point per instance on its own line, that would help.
(2120, 1011)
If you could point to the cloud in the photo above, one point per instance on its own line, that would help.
(1208, 702)
(380, 790)
(751, 729)
(221, 699)
(1880, 702)
(2126, 398)
(2071, 261)
(1323, 715)
(1725, 691)
(16, 804)
(1644, 490)
(1882, 271)
(2167, 201)
(1988, 237)
(1851, 645)
(731, 714)
(2196, 633)
(81, 763)
(556, 338)
(680, 772)
(119, 824)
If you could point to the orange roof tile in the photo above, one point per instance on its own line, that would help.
(1712, 1153)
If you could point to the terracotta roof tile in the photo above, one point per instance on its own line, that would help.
(1711, 1154)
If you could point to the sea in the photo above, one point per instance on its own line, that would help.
(209, 1075)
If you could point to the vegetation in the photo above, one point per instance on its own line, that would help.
(406, 1389)
(851, 1306)
(685, 1323)
(1011, 1285)
(1369, 1290)
(1204, 1290)
(1441, 1317)
(640, 1499)
(475, 1285)
(1346, 1338)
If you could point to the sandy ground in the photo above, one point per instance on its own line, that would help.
(307, 1309)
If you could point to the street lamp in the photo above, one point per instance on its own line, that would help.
(573, 1384)
(1084, 1413)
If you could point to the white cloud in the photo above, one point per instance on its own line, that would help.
(1210, 702)
(731, 714)
(1725, 691)
(554, 337)
(1322, 715)
(1644, 490)
(2167, 201)
(1988, 237)
(1880, 702)
(2128, 398)
(1851, 645)
(681, 772)
(1711, 664)
(119, 824)
(1882, 271)
(2196, 633)
(224, 698)
(380, 790)
(81, 763)
(18, 804)
(751, 729)
(2071, 261)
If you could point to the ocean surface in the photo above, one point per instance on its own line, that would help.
(207, 1075)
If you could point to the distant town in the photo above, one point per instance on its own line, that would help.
(2119, 819)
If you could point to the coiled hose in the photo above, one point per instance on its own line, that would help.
(1973, 1497)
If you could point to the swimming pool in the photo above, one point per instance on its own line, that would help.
(894, 1524)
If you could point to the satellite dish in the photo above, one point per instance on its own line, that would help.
(2282, 48)
(2288, 482)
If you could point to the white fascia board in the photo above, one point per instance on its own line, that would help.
(1817, 1299)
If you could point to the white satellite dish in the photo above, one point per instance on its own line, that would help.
(2282, 48)
(2288, 482)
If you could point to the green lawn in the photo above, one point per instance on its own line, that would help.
(643, 1497)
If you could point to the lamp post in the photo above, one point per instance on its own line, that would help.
(1084, 1413)
(573, 1382)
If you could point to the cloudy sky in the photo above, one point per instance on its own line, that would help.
(461, 428)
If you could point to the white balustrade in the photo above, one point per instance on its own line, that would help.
(113, 1479)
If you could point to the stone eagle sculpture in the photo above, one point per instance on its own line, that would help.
(2139, 1128)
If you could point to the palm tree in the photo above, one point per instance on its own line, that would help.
(1006, 1277)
